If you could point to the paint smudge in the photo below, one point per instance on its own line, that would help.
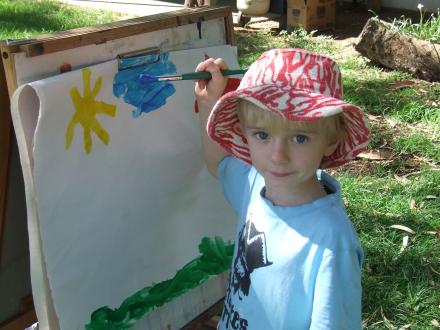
(65, 67)
(86, 108)
(146, 97)
(199, 26)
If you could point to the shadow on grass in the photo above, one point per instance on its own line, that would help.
(413, 106)
(399, 287)
(377, 97)
(401, 284)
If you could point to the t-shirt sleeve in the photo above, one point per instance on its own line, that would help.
(338, 293)
(233, 175)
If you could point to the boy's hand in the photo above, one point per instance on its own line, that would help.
(209, 91)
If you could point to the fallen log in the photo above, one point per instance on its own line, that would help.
(394, 50)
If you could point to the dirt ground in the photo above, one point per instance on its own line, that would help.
(350, 20)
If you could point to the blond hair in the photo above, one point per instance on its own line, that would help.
(250, 114)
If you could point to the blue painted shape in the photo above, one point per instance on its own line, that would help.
(146, 97)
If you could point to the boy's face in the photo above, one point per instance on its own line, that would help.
(288, 157)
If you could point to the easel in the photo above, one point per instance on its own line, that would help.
(67, 40)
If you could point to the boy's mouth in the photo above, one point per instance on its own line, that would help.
(280, 174)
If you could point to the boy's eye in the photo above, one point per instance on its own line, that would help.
(261, 135)
(300, 139)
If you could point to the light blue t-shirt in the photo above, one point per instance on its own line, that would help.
(293, 267)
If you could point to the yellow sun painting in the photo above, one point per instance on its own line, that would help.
(86, 108)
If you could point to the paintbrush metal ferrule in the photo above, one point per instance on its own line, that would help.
(169, 78)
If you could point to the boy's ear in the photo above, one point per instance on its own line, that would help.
(331, 147)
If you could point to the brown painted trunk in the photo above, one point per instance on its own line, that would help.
(397, 51)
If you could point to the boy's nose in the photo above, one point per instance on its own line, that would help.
(279, 153)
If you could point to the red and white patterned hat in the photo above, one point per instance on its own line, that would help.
(297, 85)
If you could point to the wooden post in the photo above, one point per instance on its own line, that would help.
(20, 322)
(5, 151)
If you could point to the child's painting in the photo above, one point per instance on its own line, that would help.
(118, 194)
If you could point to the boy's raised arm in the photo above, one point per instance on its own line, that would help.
(207, 93)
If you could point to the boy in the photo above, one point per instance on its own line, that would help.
(297, 259)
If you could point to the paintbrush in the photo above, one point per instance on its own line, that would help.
(146, 78)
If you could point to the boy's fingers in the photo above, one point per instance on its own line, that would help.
(221, 64)
(204, 66)
(201, 84)
(214, 68)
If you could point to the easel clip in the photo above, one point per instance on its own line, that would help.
(138, 58)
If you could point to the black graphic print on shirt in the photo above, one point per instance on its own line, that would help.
(251, 254)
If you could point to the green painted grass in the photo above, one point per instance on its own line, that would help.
(215, 258)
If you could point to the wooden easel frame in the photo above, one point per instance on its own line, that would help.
(5, 149)
(75, 38)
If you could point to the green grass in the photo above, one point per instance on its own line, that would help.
(251, 45)
(427, 28)
(417, 144)
(399, 286)
(25, 18)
